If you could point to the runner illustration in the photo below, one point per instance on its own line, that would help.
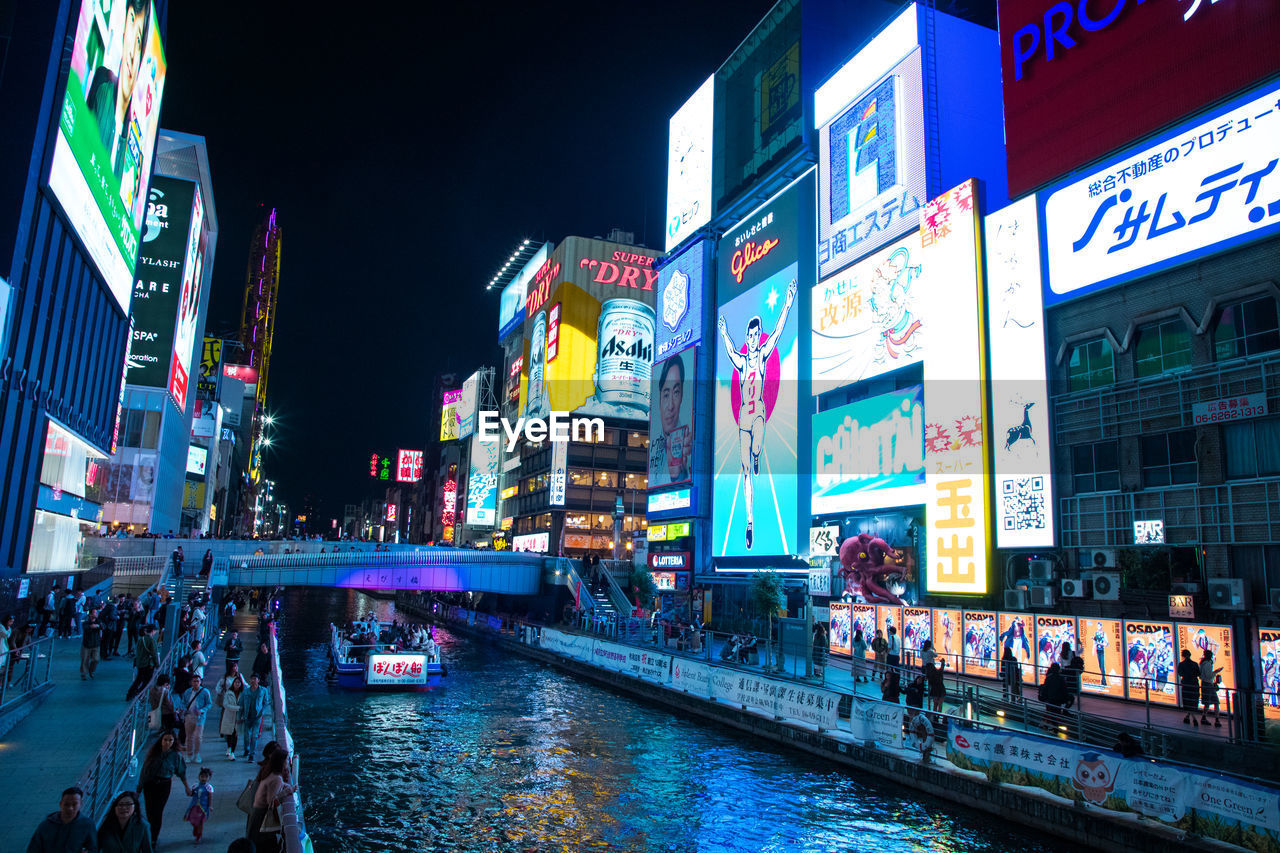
(751, 411)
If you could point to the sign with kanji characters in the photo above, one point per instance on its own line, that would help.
(824, 541)
(786, 699)
(1203, 188)
(1215, 639)
(409, 466)
(1102, 647)
(1229, 409)
(956, 430)
(405, 669)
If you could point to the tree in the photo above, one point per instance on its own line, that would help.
(643, 589)
(766, 597)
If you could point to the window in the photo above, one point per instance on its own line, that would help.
(607, 479)
(1259, 567)
(637, 439)
(150, 430)
(1252, 448)
(580, 476)
(132, 432)
(1246, 328)
(1092, 365)
(577, 521)
(1163, 347)
(1096, 467)
(1169, 459)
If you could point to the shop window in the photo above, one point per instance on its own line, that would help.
(70, 465)
(1096, 467)
(1252, 448)
(577, 521)
(1246, 328)
(1163, 347)
(606, 479)
(1169, 459)
(580, 476)
(544, 521)
(602, 522)
(1092, 365)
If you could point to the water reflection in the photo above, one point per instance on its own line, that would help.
(509, 755)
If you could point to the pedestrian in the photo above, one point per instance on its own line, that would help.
(880, 648)
(937, 687)
(178, 559)
(928, 654)
(262, 663)
(893, 650)
(234, 648)
(66, 830)
(47, 610)
(90, 641)
(921, 731)
(1053, 692)
(915, 692)
(66, 615)
(134, 623)
(819, 650)
(201, 805)
(206, 563)
(1189, 688)
(123, 830)
(122, 617)
(859, 657)
(161, 699)
(272, 789)
(196, 702)
(155, 781)
(1073, 674)
(891, 687)
(1210, 678)
(227, 696)
(6, 632)
(198, 660)
(1011, 674)
(146, 658)
(254, 702)
(107, 617)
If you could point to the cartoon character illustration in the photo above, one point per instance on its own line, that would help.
(1015, 637)
(1160, 657)
(1271, 678)
(1022, 430)
(869, 565)
(1100, 649)
(893, 306)
(947, 626)
(752, 415)
(1138, 659)
(915, 631)
(1093, 778)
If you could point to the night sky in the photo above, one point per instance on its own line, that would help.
(408, 153)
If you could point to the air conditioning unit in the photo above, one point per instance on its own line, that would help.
(1040, 570)
(1015, 599)
(1100, 558)
(1106, 585)
(1074, 588)
(1041, 596)
(1273, 598)
(1185, 589)
(1227, 594)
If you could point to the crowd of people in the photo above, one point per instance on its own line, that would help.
(362, 636)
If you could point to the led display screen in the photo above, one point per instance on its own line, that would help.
(671, 421)
(1102, 647)
(689, 161)
(1151, 661)
(482, 483)
(680, 285)
(158, 286)
(196, 458)
(667, 504)
(981, 656)
(184, 336)
(103, 151)
(870, 453)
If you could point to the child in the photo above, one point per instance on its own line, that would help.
(201, 803)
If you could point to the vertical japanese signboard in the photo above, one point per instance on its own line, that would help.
(482, 482)
(689, 164)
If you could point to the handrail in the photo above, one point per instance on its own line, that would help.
(31, 678)
(292, 828)
(572, 579)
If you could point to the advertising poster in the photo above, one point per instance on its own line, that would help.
(671, 421)
(689, 163)
(680, 284)
(482, 483)
(889, 616)
(917, 627)
(449, 415)
(159, 282)
(948, 636)
(184, 335)
(841, 634)
(956, 430)
(1016, 633)
(467, 405)
(210, 365)
(980, 640)
(1216, 639)
(1102, 644)
(1019, 390)
(870, 453)
(1151, 662)
(1051, 633)
(103, 152)
(511, 303)
(863, 618)
(1269, 650)
(876, 722)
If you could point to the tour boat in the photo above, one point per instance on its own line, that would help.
(381, 666)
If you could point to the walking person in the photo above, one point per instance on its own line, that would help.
(155, 781)
(893, 649)
(66, 830)
(820, 647)
(880, 648)
(272, 788)
(107, 617)
(262, 663)
(123, 830)
(937, 687)
(198, 660)
(196, 702)
(66, 615)
(146, 657)
(1053, 693)
(178, 559)
(122, 617)
(254, 702)
(201, 805)
(6, 632)
(859, 657)
(161, 699)
(47, 610)
(233, 649)
(227, 696)
(1189, 688)
(1011, 675)
(90, 641)
(134, 623)
(206, 563)
(1210, 678)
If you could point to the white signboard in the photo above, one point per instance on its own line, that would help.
(1019, 391)
(637, 662)
(1148, 532)
(691, 677)
(559, 472)
(569, 645)
(689, 165)
(538, 542)
(1200, 190)
(876, 722)
(396, 669)
(787, 699)
(820, 579)
(1229, 409)
(824, 541)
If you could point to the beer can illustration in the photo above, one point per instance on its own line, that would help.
(624, 354)
(535, 399)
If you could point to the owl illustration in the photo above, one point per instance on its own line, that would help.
(1093, 778)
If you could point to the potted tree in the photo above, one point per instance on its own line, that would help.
(766, 597)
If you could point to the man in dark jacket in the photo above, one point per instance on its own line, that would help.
(146, 657)
(107, 617)
(66, 830)
(262, 663)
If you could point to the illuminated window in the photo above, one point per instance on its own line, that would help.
(1092, 365)
(1246, 328)
(544, 521)
(1252, 448)
(580, 477)
(1096, 467)
(1169, 459)
(608, 479)
(1163, 347)
(637, 439)
(602, 522)
(577, 521)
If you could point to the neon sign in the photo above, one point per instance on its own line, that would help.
(624, 270)
(449, 515)
(553, 333)
(748, 255)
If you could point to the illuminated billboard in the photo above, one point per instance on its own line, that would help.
(840, 637)
(1022, 452)
(1102, 647)
(1051, 633)
(184, 335)
(689, 162)
(680, 285)
(870, 454)
(948, 636)
(871, 147)
(1202, 188)
(104, 148)
(482, 483)
(1016, 634)
(671, 445)
(449, 414)
(1269, 651)
(1151, 661)
(763, 264)
(467, 405)
(956, 426)
(210, 366)
(408, 466)
(511, 302)
(158, 286)
(197, 457)
(1216, 639)
(980, 641)
(667, 504)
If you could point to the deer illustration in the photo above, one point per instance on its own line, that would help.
(1022, 430)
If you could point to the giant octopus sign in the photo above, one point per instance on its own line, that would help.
(872, 568)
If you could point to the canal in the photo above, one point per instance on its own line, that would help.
(511, 755)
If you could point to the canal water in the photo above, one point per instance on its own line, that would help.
(511, 755)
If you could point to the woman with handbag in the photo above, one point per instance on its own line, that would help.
(155, 781)
(264, 822)
(162, 716)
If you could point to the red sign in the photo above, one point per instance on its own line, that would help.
(450, 512)
(623, 273)
(409, 466)
(1085, 78)
(391, 512)
(246, 374)
(541, 288)
(748, 255)
(553, 334)
(178, 377)
(373, 465)
(669, 559)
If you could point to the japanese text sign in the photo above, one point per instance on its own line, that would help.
(396, 669)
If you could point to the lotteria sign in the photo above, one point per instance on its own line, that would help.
(1081, 79)
(670, 560)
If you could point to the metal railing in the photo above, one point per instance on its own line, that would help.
(292, 828)
(27, 668)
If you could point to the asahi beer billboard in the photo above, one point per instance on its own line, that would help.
(590, 326)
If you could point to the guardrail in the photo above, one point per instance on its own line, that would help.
(27, 669)
(292, 828)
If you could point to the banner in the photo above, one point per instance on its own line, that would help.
(876, 722)
(630, 660)
(569, 645)
(787, 700)
(691, 677)
(399, 669)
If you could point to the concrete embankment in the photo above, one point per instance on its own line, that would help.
(1035, 808)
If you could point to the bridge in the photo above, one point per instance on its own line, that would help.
(426, 568)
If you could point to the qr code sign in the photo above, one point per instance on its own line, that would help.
(1022, 503)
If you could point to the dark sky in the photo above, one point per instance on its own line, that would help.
(408, 150)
